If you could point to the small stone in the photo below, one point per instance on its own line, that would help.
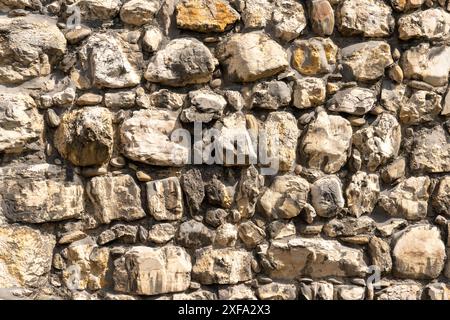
(139, 12)
(194, 189)
(357, 122)
(89, 99)
(226, 235)
(248, 190)
(430, 24)
(215, 217)
(277, 291)
(422, 106)
(309, 92)
(391, 226)
(194, 234)
(441, 198)
(152, 39)
(326, 196)
(205, 105)
(281, 229)
(234, 99)
(143, 177)
(407, 5)
(270, 95)
(165, 199)
(236, 292)
(205, 16)
(251, 234)
(76, 35)
(400, 292)
(52, 118)
(288, 19)
(362, 193)
(321, 16)
(92, 10)
(121, 99)
(251, 56)
(349, 226)
(118, 162)
(396, 73)
(380, 252)
(394, 170)
(314, 56)
(355, 101)
(197, 61)
(161, 233)
(366, 61)
(419, 253)
(72, 236)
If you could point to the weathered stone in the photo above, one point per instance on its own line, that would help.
(146, 137)
(165, 98)
(181, 62)
(350, 292)
(349, 226)
(315, 258)
(370, 18)
(20, 122)
(194, 189)
(165, 199)
(74, 36)
(89, 99)
(86, 265)
(309, 92)
(406, 5)
(282, 135)
(10, 5)
(150, 271)
(107, 61)
(431, 150)
(419, 253)
(431, 24)
(326, 196)
(205, 105)
(206, 15)
(92, 10)
(441, 198)
(219, 194)
(121, 99)
(196, 295)
(400, 292)
(321, 16)
(161, 233)
(270, 95)
(389, 227)
(226, 235)
(236, 292)
(281, 229)
(288, 19)
(249, 188)
(362, 193)
(409, 199)
(438, 291)
(317, 290)
(115, 198)
(152, 39)
(194, 234)
(366, 61)
(277, 291)
(426, 63)
(222, 266)
(392, 96)
(85, 136)
(29, 46)
(25, 256)
(422, 106)
(356, 101)
(251, 234)
(251, 56)
(314, 56)
(380, 252)
(378, 142)
(327, 142)
(285, 198)
(139, 12)
(215, 217)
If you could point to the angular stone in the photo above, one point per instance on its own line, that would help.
(249, 188)
(393, 96)
(146, 137)
(366, 61)
(226, 235)
(406, 5)
(92, 10)
(282, 134)
(309, 92)
(194, 189)
(215, 217)
(426, 63)
(349, 226)
(400, 292)
(255, 13)
(362, 193)
(151, 271)
(85, 136)
(86, 266)
(236, 292)
(270, 95)
(25, 256)
(219, 194)
(350, 292)
(394, 171)
(378, 142)
(161, 233)
(419, 253)
(409, 199)
(431, 150)
(277, 291)
(165, 199)
(279, 229)
(9, 5)
(314, 257)
(20, 122)
(120, 99)
(431, 24)
(194, 234)
(222, 266)
(29, 46)
(327, 142)
(356, 101)
(422, 106)
(441, 198)
(139, 12)
(115, 198)
(288, 19)
(106, 60)
(251, 234)
(196, 295)
(370, 18)
(321, 16)
(206, 15)
(181, 62)
(205, 105)
(317, 290)
(285, 198)
(314, 56)
(326, 196)
(251, 56)
(380, 252)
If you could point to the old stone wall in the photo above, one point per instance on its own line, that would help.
(206, 149)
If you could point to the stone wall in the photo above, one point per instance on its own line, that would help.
(117, 119)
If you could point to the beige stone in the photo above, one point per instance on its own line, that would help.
(165, 199)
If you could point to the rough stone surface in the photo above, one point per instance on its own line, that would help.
(314, 56)
(362, 193)
(165, 199)
(431, 24)
(326, 196)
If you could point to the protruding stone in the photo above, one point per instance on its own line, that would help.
(321, 16)
(326, 196)
(248, 190)
(161, 233)
(270, 95)
(288, 19)
(362, 193)
(422, 106)
(431, 24)
(314, 56)
(309, 92)
(194, 234)
(205, 105)
(165, 199)
(139, 12)
(441, 198)
(356, 101)
(251, 234)
(277, 291)
(380, 253)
